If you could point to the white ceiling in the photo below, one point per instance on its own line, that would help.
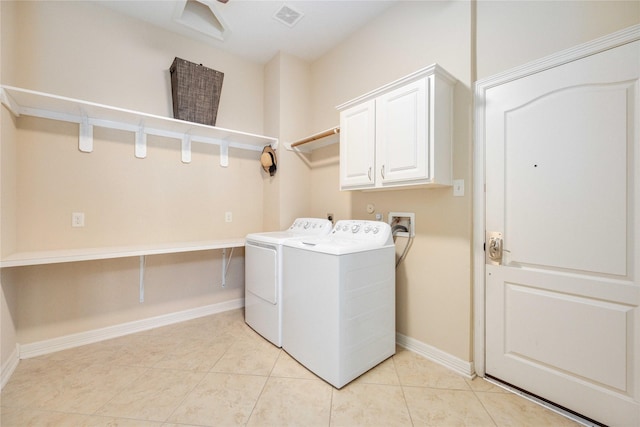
(249, 27)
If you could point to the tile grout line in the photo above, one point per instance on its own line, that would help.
(475, 393)
(184, 398)
(404, 397)
(124, 387)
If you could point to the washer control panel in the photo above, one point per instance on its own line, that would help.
(362, 230)
(310, 226)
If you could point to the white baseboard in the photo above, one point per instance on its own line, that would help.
(89, 337)
(9, 366)
(436, 355)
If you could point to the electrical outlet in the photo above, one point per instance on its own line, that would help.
(458, 187)
(228, 217)
(77, 219)
(398, 220)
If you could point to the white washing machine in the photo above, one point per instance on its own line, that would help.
(339, 316)
(263, 275)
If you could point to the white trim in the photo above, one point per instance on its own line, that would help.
(431, 70)
(436, 355)
(601, 44)
(9, 366)
(89, 337)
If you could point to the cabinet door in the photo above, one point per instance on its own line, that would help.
(357, 146)
(401, 134)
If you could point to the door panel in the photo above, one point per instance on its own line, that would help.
(402, 120)
(540, 321)
(562, 188)
(560, 180)
(357, 157)
(576, 351)
(261, 278)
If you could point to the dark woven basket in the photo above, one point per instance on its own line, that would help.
(196, 92)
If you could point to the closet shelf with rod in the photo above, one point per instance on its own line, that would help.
(88, 114)
(315, 141)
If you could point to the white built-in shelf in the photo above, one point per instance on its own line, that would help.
(315, 141)
(89, 114)
(21, 259)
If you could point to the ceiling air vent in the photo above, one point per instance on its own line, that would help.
(288, 15)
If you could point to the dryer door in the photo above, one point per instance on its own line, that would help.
(261, 271)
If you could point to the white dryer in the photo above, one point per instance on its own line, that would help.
(339, 317)
(263, 275)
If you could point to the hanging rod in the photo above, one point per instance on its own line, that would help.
(317, 136)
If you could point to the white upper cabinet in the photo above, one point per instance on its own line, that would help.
(357, 125)
(400, 134)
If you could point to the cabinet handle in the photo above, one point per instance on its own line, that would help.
(382, 171)
(369, 173)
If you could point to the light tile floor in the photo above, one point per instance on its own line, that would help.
(216, 371)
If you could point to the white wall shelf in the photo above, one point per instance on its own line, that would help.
(89, 114)
(23, 259)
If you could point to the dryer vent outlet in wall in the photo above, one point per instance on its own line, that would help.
(401, 221)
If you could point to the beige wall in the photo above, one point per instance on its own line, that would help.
(286, 109)
(84, 51)
(434, 297)
(271, 188)
(433, 284)
(7, 198)
(79, 50)
(512, 33)
(61, 299)
(294, 123)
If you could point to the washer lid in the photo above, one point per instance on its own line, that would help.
(273, 237)
(300, 227)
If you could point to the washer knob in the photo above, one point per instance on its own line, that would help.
(355, 228)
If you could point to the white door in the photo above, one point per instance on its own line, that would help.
(357, 146)
(401, 134)
(562, 177)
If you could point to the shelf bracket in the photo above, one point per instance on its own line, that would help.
(225, 265)
(9, 103)
(142, 265)
(186, 148)
(141, 143)
(85, 138)
(224, 153)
